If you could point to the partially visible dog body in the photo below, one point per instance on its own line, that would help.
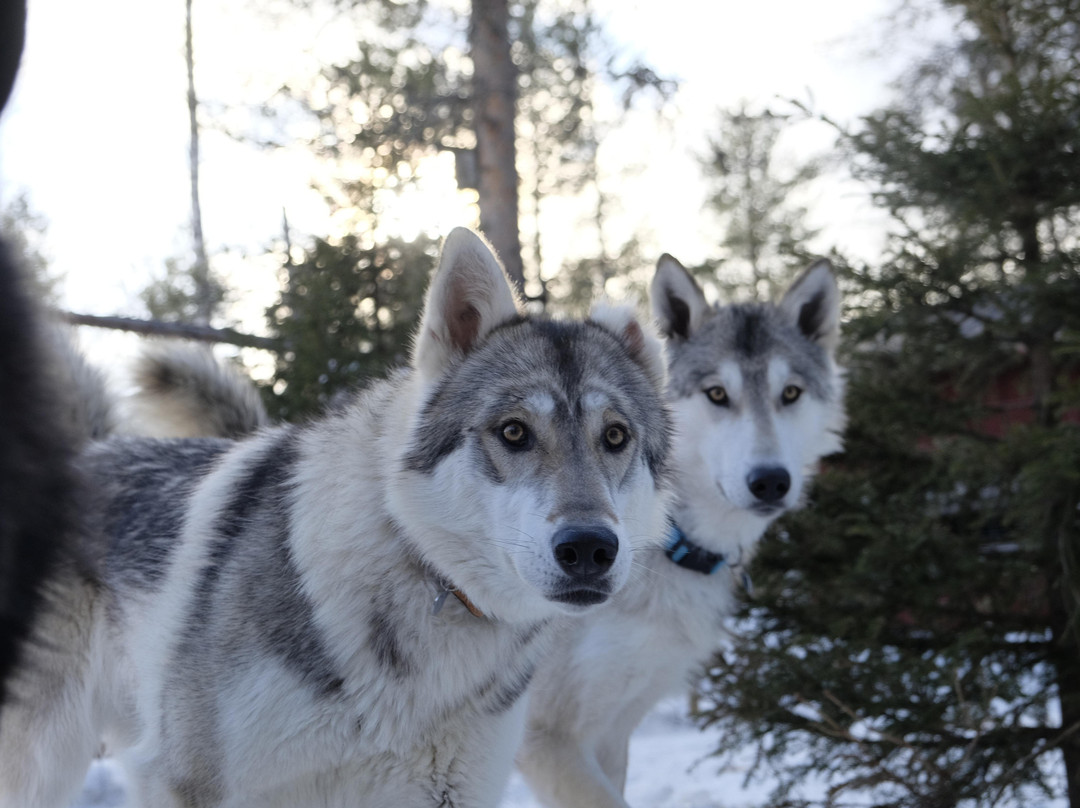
(348, 612)
(757, 400)
(38, 510)
(39, 486)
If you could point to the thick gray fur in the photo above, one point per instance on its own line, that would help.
(88, 407)
(265, 634)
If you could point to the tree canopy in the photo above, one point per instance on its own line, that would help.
(407, 93)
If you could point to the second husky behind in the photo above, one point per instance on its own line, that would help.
(757, 400)
(348, 612)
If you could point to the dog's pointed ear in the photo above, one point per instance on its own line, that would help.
(641, 341)
(469, 295)
(813, 303)
(678, 303)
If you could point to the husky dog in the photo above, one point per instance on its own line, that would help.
(347, 613)
(757, 399)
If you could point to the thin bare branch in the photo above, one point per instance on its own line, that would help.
(158, 328)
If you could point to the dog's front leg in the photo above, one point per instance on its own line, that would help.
(562, 774)
(612, 753)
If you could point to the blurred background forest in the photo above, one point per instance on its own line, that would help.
(275, 178)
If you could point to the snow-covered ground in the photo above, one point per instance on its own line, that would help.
(669, 768)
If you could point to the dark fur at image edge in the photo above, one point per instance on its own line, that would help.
(37, 484)
(12, 37)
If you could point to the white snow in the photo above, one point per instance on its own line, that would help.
(669, 767)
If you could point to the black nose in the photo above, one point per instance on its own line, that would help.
(769, 483)
(585, 551)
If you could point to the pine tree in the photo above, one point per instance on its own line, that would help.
(177, 296)
(347, 311)
(409, 92)
(348, 308)
(24, 239)
(914, 640)
(753, 194)
(568, 63)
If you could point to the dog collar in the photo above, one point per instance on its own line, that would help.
(440, 599)
(692, 556)
(686, 553)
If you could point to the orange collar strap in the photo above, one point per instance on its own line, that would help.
(440, 600)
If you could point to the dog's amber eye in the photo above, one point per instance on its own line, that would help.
(790, 394)
(514, 434)
(615, 437)
(718, 396)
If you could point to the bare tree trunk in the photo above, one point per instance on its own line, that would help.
(200, 272)
(494, 105)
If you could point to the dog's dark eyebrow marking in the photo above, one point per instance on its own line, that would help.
(487, 464)
(751, 332)
(563, 337)
(436, 436)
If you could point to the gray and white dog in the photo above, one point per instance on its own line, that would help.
(757, 400)
(348, 612)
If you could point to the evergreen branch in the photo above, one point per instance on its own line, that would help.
(199, 333)
(1052, 742)
(940, 640)
(929, 741)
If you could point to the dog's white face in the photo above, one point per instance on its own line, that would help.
(753, 437)
(756, 395)
(548, 498)
(537, 461)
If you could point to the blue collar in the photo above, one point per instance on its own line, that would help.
(692, 556)
(696, 558)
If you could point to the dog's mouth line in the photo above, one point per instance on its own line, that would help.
(581, 596)
(762, 509)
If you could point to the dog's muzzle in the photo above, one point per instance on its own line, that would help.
(585, 553)
(769, 485)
